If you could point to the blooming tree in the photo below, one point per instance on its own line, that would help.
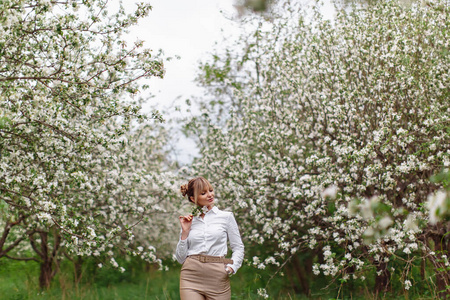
(158, 187)
(68, 179)
(333, 132)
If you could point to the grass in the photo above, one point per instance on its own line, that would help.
(19, 280)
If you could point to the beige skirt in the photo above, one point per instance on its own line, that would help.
(200, 281)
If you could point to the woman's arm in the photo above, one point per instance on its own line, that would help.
(182, 249)
(183, 246)
(235, 243)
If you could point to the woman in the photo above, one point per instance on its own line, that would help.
(203, 245)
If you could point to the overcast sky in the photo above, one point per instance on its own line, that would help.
(185, 28)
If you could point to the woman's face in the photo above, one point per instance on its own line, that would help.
(206, 198)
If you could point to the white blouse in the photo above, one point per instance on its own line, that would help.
(209, 236)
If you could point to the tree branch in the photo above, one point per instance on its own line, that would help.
(22, 258)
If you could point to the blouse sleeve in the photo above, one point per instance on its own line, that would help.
(235, 243)
(182, 250)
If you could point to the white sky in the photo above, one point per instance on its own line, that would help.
(185, 28)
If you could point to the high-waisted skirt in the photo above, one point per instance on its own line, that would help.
(200, 281)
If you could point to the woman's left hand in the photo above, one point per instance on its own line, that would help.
(229, 270)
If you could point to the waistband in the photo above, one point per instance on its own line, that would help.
(211, 259)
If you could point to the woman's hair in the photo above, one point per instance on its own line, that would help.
(194, 187)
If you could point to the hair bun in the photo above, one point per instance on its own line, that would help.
(184, 189)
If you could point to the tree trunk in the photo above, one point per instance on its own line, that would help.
(301, 269)
(48, 257)
(77, 266)
(46, 275)
(292, 277)
(299, 272)
(382, 281)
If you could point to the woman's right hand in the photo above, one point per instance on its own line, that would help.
(185, 222)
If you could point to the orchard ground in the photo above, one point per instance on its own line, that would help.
(19, 280)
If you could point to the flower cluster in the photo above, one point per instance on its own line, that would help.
(198, 210)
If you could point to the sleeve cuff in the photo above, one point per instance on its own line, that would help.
(233, 267)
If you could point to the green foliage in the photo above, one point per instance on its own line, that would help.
(443, 178)
(17, 278)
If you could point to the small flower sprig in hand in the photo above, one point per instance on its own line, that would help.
(197, 210)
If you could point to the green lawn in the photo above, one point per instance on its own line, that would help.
(19, 280)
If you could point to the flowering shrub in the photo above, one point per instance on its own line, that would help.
(69, 179)
(333, 132)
